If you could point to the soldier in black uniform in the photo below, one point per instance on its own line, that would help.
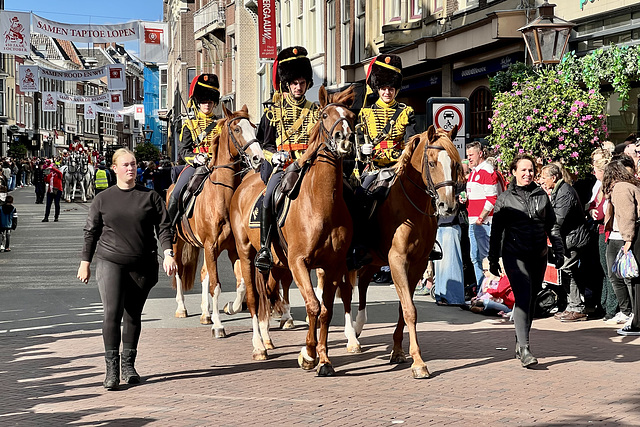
(284, 132)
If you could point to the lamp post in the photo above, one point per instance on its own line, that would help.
(147, 134)
(546, 36)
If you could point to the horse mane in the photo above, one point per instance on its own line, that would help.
(215, 143)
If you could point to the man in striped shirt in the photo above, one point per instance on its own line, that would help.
(482, 192)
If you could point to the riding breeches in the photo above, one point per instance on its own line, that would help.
(271, 188)
(124, 290)
(183, 179)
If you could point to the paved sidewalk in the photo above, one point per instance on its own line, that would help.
(52, 366)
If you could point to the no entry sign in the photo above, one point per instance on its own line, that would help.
(446, 113)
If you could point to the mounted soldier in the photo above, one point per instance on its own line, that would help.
(198, 132)
(284, 131)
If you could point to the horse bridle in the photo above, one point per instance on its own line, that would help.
(330, 142)
(241, 149)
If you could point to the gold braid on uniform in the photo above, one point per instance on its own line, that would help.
(284, 114)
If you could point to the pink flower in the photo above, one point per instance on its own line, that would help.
(535, 111)
(574, 155)
(517, 144)
(518, 92)
(542, 128)
(520, 151)
(529, 118)
(573, 109)
(488, 126)
(561, 138)
(562, 146)
(576, 131)
(514, 84)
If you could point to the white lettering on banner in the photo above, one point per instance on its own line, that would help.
(85, 33)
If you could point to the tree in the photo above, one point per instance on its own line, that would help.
(551, 118)
(146, 151)
(17, 150)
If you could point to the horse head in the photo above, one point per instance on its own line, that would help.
(242, 135)
(336, 121)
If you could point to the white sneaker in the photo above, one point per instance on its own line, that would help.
(628, 322)
(619, 319)
(1, 247)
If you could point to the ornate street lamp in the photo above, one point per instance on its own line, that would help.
(547, 36)
(147, 134)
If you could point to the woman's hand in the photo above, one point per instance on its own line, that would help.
(627, 246)
(84, 272)
(169, 265)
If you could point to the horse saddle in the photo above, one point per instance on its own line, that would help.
(281, 210)
(192, 190)
(372, 193)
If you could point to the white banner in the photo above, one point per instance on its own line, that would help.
(138, 113)
(89, 111)
(85, 33)
(115, 102)
(49, 101)
(74, 75)
(28, 78)
(154, 42)
(118, 118)
(127, 111)
(82, 99)
(117, 77)
(16, 36)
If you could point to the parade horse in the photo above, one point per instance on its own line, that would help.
(78, 173)
(234, 151)
(406, 223)
(316, 233)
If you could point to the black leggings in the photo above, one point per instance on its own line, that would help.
(525, 276)
(124, 290)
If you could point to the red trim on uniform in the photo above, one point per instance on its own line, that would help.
(292, 147)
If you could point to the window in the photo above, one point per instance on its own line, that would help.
(480, 112)
(233, 47)
(331, 42)
(313, 36)
(416, 9)
(360, 41)
(345, 32)
(2, 85)
(437, 5)
(191, 74)
(164, 85)
(466, 4)
(286, 23)
(392, 11)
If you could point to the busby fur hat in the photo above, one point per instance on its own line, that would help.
(205, 87)
(385, 70)
(292, 63)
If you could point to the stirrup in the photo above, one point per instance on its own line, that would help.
(263, 260)
(436, 252)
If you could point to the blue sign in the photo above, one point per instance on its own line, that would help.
(487, 67)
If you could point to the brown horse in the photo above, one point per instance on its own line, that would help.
(234, 151)
(406, 223)
(317, 231)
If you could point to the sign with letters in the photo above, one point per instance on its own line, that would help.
(445, 113)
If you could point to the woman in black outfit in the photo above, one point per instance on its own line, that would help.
(120, 231)
(523, 215)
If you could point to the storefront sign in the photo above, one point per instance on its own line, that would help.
(267, 29)
(487, 67)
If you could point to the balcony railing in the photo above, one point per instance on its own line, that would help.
(208, 18)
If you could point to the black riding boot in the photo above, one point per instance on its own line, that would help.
(172, 209)
(263, 259)
(526, 358)
(128, 371)
(112, 379)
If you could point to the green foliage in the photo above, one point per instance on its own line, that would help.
(503, 80)
(614, 65)
(17, 150)
(550, 117)
(146, 151)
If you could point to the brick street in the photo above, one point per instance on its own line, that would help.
(52, 365)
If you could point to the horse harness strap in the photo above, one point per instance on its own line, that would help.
(204, 133)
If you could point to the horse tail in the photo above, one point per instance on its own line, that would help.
(190, 256)
(261, 287)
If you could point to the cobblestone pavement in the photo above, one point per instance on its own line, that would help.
(52, 366)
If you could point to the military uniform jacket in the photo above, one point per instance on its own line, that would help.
(286, 125)
(387, 147)
(191, 129)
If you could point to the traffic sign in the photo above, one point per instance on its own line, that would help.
(445, 113)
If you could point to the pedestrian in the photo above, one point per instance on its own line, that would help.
(120, 232)
(38, 182)
(522, 221)
(53, 184)
(101, 178)
(482, 192)
(576, 236)
(8, 222)
(621, 186)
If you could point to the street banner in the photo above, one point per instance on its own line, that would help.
(117, 78)
(118, 118)
(267, 29)
(154, 44)
(115, 102)
(89, 111)
(73, 75)
(28, 78)
(82, 99)
(85, 33)
(138, 113)
(16, 34)
(49, 101)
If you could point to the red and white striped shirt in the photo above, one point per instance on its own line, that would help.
(482, 192)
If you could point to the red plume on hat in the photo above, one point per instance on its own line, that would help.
(292, 63)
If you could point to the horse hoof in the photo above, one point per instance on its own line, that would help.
(287, 324)
(355, 349)
(325, 370)
(218, 333)
(226, 309)
(181, 314)
(269, 345)
(398, 357)
(205, 320)
(420, 372)
(306, 364)
(259, 355)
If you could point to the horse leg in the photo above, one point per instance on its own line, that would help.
(346, 293)
(286, 321)
(364, 279)
(319, 288)
(205, 308)
(211, 265)
(241, 290)
(406, 315)
(246, 252)
(181, 311)
(325, 368)
(83, 191)
(308, 356)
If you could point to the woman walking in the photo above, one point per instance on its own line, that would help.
(120, 231)
(524, 217)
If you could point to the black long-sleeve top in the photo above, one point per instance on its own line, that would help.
(122, 225)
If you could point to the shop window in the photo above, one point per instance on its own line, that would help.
(618, 38)
(392, 11)
(481, 111)
(616, 21)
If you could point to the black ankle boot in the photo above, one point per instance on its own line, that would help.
(112, 379)
(263, 259)
(526, 358)
(128, 371)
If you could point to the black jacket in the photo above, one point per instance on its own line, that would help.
(522, 220)
(570, 216)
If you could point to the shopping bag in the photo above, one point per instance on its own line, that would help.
(625, 265)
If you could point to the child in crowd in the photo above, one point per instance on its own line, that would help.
(8, 222)
(494, 296)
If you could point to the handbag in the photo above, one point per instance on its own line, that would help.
(625, 265)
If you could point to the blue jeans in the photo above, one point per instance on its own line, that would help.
(449, 279)
(479, 236)
(11, 185)
(497, 306)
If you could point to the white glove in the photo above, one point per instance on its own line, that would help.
(279, 158)
(200, 159)
(366, 149)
